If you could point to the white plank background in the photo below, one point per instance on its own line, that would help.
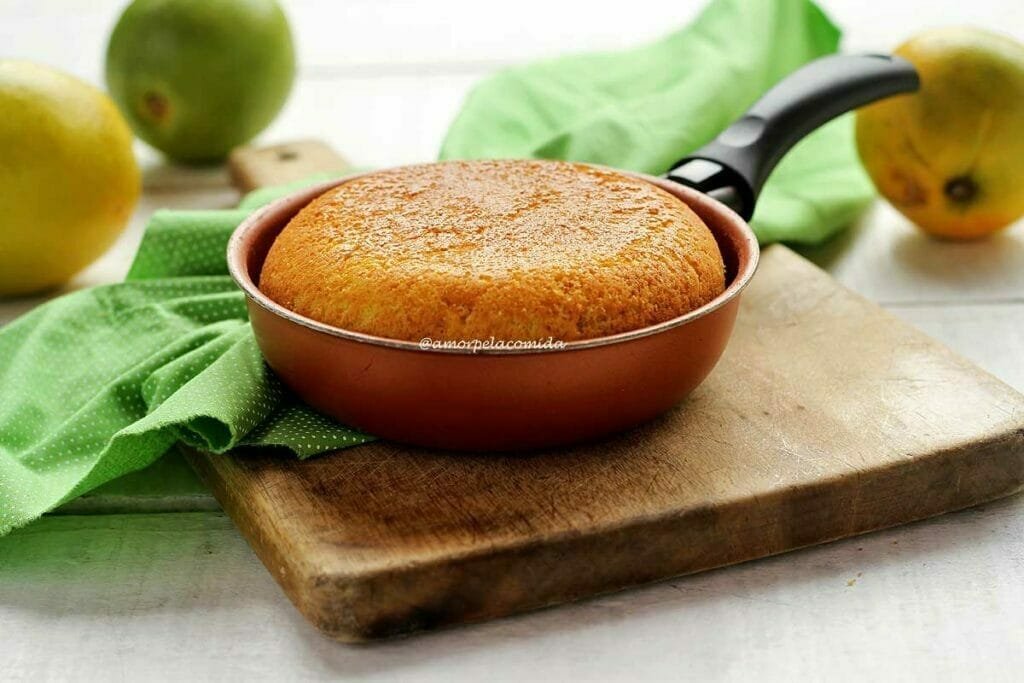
(179, 595)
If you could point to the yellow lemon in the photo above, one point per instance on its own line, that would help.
(951, 156)
(68, 178)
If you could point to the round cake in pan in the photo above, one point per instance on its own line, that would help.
(510, 249)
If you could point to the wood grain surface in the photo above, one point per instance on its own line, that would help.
(827, 417)
(253, 167)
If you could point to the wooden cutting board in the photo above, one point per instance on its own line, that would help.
(827, 417)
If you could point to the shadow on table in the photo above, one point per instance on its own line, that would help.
(883, 255)
(192, 570)
(984, 263)
(126, 564)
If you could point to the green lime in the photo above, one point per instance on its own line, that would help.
(195, 78)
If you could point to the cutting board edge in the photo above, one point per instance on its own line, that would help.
(346, 605)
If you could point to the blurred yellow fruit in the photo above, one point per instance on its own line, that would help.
(951, 156)
(68, 178)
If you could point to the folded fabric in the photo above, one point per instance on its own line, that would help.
(103, 381)
(643, 109)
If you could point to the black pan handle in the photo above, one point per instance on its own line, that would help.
(734, 166)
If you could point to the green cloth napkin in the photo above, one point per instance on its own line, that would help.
(643, 109)
(101, 382)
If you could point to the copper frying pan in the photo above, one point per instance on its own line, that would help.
(525, 399)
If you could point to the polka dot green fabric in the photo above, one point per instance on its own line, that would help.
(102, 382)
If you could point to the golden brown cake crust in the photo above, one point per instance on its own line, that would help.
(514, 249)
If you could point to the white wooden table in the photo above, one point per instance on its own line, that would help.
(180, 596)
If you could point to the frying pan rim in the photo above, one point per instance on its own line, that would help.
(237, 254)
